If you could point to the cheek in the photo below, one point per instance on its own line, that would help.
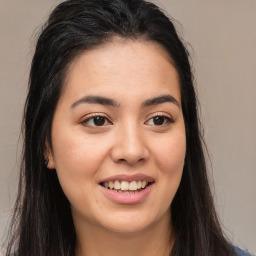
(170, 153)
(71, 157)
(77, 161)
(76, 153)
(169, 156)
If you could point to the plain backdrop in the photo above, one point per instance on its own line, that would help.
(221, 36)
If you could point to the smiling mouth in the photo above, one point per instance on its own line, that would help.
(126, 187)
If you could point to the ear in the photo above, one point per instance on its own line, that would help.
(48, 155)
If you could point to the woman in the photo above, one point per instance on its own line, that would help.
(113, 161)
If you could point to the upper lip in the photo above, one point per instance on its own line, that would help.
(125, 177)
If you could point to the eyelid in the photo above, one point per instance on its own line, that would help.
(162, 114)
(88, 117)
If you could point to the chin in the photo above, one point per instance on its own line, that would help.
(126, 228)
(128, 223)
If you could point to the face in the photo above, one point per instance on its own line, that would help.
(118, 136)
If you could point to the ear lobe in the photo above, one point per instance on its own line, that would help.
(49, 160)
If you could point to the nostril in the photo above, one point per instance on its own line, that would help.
(129, 152)
(130, 161)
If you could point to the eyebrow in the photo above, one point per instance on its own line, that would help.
(110, 102)
(159, 100)
(96, 100)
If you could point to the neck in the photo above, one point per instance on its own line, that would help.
(156, 240)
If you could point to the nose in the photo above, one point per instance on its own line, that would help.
(129, 146)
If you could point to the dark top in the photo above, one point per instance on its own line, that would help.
(240, 252)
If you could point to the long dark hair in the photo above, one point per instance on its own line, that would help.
(42, 223)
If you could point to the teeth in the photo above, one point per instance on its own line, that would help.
(127, 192)
(139, 184)
(126, 186)
(117, 185)
(133, 185)
(111, 185)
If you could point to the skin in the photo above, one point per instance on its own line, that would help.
(128, 142)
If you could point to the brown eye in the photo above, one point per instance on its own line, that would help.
(96, 121)
(159, 120)
(99, 120)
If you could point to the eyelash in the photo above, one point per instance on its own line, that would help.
(92, 117)
(167, 120)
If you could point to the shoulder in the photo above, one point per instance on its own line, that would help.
(240, 252)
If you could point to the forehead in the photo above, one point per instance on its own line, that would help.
(123, 67)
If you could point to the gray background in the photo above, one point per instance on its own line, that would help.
(223, 38)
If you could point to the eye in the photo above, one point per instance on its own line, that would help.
(159, 120)
(96, 120)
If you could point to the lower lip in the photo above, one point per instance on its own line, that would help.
(132, 198)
